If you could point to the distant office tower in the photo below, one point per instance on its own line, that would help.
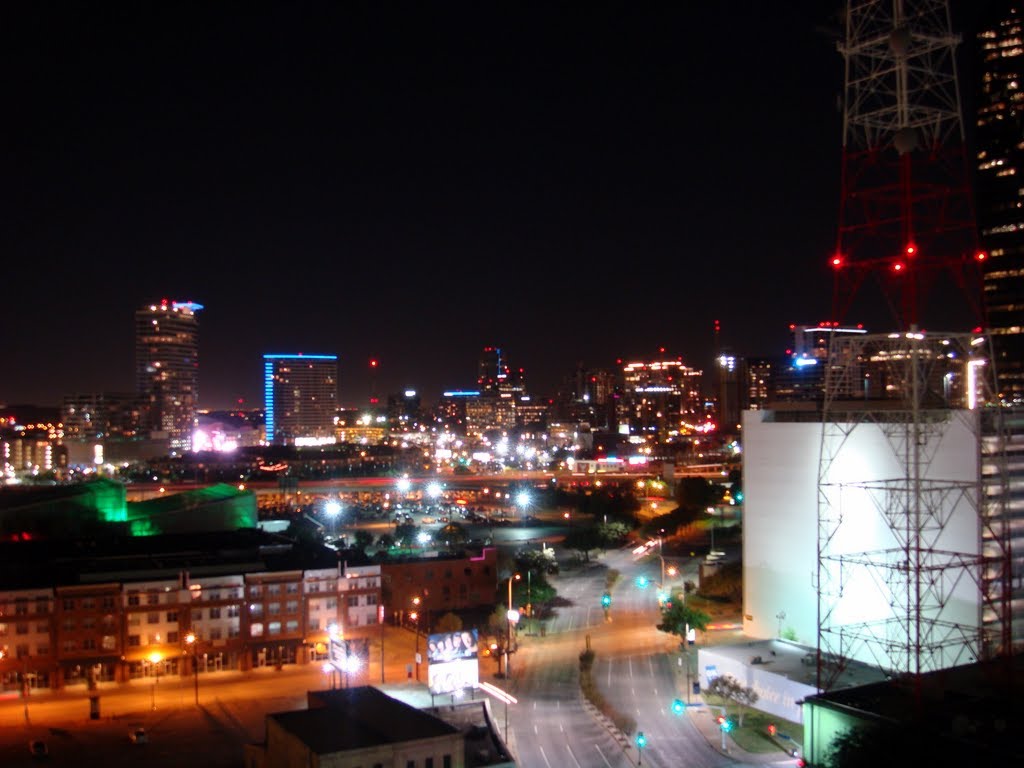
(1000, 189)
(167, 368)
(492, 370)
(301, 398)
(661, 399)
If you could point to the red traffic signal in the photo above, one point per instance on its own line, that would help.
(771, 729)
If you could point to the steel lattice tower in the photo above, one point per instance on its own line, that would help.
(906, 217)
(913, 528)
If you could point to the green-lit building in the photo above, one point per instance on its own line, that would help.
(98, 508)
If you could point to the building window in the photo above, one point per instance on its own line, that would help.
(255, 590)
(68, 625)
(153, 618)
(134, 619)
(353, 601)
(428, 763)
(42, 605)
(69, 646)
(313, 587)
(292, 626)
(331, 604)
(133, 599)
(256, 630)
(172, 637)
(109, 642)
(42, 650)
(68, 604)
(273, 589)
(371, 599)
(42, 629)
(314, 623)
(172, 617)
(107, 602)
(134, 640)
(446, 761)
(153, 598)
(233, 631)
(88, 622)
(292, 588)
(292, 606)
(274, 628)
(21, 651)
(21, 629)
(89, 644)
(273, 608)
(215, 613)
(232, 611)
(21, 606)
(215, 633)
(410, 764)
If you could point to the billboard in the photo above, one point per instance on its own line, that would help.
(452, 661)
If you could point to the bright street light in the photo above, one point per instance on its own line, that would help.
(193, 643)
(155, 658)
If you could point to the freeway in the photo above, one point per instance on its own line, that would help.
(552, 726)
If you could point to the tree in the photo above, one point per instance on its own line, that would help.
(450, 622)
(612, 534)
(405, 534)
(583, 540)
(729, 688)
(676, 616)
(697, 493)
(453, 535)
(362, 539)
(385, 541)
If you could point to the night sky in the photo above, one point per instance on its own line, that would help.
(572, 182)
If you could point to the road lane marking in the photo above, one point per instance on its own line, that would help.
(602, 756)
(573, 756)
(548, 764)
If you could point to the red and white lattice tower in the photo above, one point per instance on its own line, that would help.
(906, 217)
(913, 527)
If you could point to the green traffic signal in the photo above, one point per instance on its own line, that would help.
(641, 581)
(641, 740)
(606, 599)
(678, 706)
(727, 725)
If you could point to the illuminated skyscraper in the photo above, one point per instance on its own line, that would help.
(167, 369)
(301, 398)
(1000, 188)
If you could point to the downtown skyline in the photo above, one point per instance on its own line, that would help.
(410, 185)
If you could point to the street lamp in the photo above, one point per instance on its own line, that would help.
(155, 659)
(511, 616)
(333, 509)
(193, 643)
(415, 616)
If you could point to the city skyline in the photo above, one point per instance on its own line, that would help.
(575, 186)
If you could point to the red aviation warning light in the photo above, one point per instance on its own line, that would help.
(910, 250)
(837, 262)
(980, 256)
(898, 266)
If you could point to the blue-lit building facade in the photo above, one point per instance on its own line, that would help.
(300, 395)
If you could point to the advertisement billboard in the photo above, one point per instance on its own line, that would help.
(452, 661)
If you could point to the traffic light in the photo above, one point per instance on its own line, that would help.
(641, 581)
(678, 706)
(641, 740)
(606, 600)
(726, 724)
(771, 729)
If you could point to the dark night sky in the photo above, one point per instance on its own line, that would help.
(574, 182)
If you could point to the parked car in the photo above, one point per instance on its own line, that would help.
(138, 736)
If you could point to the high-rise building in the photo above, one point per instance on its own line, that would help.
(662, 399)
(167, 369)
(301, 398)
(1000, 188)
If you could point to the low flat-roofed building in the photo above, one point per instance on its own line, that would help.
(360, 726)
